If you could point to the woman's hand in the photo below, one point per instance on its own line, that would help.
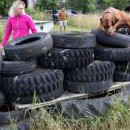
(1, 47)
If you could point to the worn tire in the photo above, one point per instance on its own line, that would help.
(8, 114)
(18, 67)
(75, 108)
(123, 29)
(117, 40)
(87, 87)
(40, 82)
(121, 76)
(74, 40)
(21, 125)
(40, 98)
(112, 54)
(122, 66)
(28, 47)
(2, 98)
(96, 71)
(66, 58)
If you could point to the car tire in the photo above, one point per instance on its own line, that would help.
(28, 47)
(117, 40)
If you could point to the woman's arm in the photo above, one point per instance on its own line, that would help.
(31, 25)
(7, 33)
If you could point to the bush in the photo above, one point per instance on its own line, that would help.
(4, 7)
(37, 14)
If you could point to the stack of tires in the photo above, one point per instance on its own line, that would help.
(21, 80)
(74, 53)
(97, 77)
(114, 48)
(38, 66)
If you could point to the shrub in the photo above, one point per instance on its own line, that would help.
(37, 14)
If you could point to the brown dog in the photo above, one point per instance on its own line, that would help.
(111, 19)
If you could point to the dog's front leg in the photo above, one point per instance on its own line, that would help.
(115, 27)
(118, 23)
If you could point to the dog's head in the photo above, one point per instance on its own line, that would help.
(106, 23)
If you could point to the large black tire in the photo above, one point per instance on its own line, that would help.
(96, 71)
(2, 98)
(112, 54)
(76, 108)
(39, 98)
(11, 119)
(122, 66)
(124, 31)
(28, 47)
(87, 87)
(1, 57)
(8, 114)
(66, 58)
(74, 40)
(117, 40)
(18, 67)
(40, 82)
(121, 76)
(21, 125)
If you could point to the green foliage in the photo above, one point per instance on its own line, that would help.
(1, 31)
(4, 7)
(35, 13)
(96, 5)
(118, 118)
(121, 4)
(85, 6)
(46, 4)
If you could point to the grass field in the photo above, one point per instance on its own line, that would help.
(69, 28)
(118, 118)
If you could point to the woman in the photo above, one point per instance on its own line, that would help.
(19, 23)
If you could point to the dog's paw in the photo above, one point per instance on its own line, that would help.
(111, 33)
(101, 29)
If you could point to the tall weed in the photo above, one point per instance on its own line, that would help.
(89, 21)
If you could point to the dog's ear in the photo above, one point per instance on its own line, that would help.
(101, 20)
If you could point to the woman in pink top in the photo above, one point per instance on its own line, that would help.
(18, 23)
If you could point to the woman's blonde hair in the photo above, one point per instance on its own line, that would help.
(12, 11)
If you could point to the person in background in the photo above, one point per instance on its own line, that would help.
(18, 24)
(63, 19)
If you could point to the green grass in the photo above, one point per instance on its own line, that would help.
(1, 32)
(69, 28)
(118, 118)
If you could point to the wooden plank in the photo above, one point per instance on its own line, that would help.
(64, 97)
(118, 85)
(67, 96)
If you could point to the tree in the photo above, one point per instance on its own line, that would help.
(4, 6)
(82, 5)
(48, 4)
(119, 4)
